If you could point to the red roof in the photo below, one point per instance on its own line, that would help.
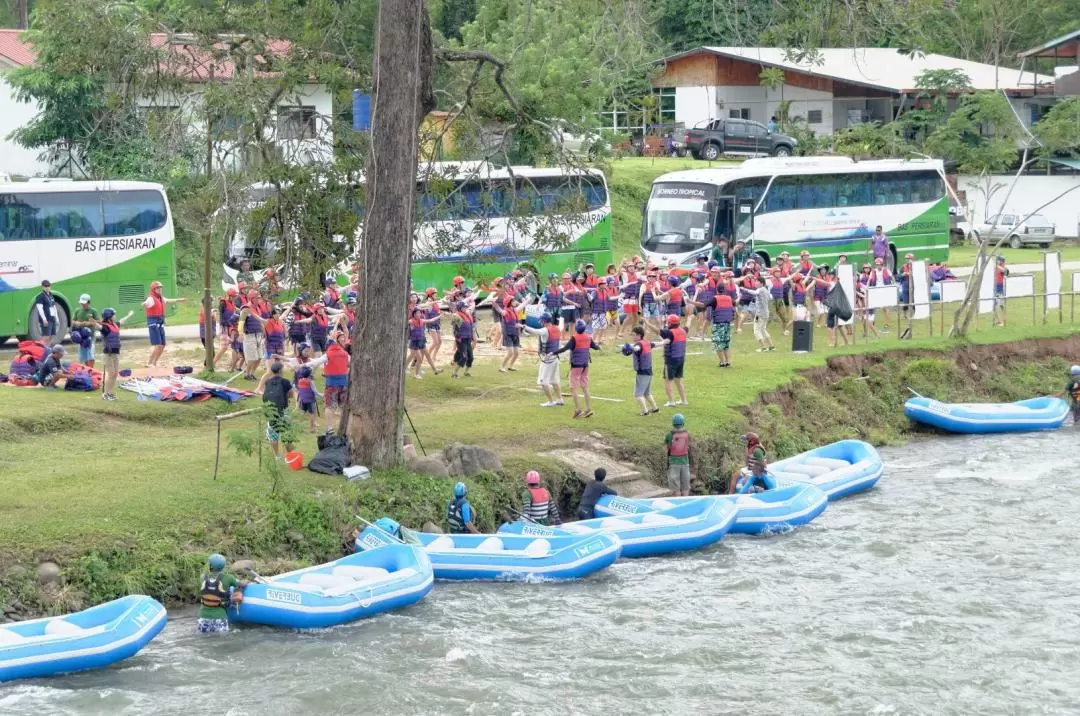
(186, 59)
(13, 49)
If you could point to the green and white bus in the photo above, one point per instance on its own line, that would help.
(826, 205)
(109, 239)
(482, 221)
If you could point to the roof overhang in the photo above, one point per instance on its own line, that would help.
(1054, 47)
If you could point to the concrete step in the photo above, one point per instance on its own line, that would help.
(655, 492)
(629, 480)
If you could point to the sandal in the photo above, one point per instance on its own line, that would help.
(587, 414)
(577, 413)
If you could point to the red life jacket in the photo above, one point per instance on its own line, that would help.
(680, 444)
(675, 295)
(785, 269)
(806, 267)
(157, 310)
(750, 282)
(552, 343)
(337, 360)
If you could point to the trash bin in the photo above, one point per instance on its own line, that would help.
(802, 336)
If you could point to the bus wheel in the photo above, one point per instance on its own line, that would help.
(62, 324)
(4, 339)
(764, 259)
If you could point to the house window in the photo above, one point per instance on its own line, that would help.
(297, 122)
(741, 113)
(227, 127)
(665, 104)
(813, 116)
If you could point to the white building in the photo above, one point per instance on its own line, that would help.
(301, 129)
(837, 88)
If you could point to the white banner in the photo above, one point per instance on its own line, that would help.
(953, 291)
(1076, 282)
(920, 290)
(1052, 271)
(845, 273)
(882, 296)
(986, 288)
(1017, 286)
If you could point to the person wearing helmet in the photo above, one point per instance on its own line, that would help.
(862, 286)
(536, 503)
(155, 305)
(336, 376)
(417, 331)
(306, 393)
(1072, 392)
(331, 296)
(434, 310)
(755, 476)
(579, 346)
(673, 336)
(648, 300)
(218, 589)
(268, 285)
(52, 368)
(549, 379)
(679, 455)
(459, 513)
(109, 327)
(879, 246)
(86, 319)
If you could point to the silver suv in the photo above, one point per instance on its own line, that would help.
(1018, 231)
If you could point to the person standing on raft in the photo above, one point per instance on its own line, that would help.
(758, 478)
(217, 590)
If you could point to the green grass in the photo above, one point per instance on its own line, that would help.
(965, 255)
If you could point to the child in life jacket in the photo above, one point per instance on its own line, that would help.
(307, 394)
(678, 456)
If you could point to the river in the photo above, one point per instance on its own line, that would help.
(951, 588)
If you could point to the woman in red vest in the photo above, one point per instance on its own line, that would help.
(155, 305)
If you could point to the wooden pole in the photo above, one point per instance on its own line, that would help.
(219, 419)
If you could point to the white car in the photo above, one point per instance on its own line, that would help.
(574, 140)
(1014, 228)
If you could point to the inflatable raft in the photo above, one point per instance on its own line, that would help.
(683, 527)
(510, 557)
(90, 639)
(839, 469)
(772, 511)
(1025, 415)
(354, 587)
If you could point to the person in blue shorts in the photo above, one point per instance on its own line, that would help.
(155, 305)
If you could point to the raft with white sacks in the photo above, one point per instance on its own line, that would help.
(1046, 413)
(354, 587)
(776, 510)
(683, 527)
(509, 557)
(838, 469)
(91, 639)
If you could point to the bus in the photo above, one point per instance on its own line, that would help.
(108, 239)
(482, 221)
(826, 205)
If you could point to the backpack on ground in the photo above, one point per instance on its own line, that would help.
(333, 455)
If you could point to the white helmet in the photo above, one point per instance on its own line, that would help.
(1075, 370)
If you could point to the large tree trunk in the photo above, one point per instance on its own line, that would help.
(402, 96)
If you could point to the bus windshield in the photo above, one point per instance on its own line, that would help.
(675, 226)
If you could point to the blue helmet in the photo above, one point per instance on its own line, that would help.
(217, 562)
(677, 420)
(545, 318)
(108, 313)
(460, 490)
(627, 349)
(674, 280)
(387, 524)
(580, 326)
(303, 371)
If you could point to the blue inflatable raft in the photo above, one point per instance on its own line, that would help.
(775, 510)
(90, 639)
(510, 557)
(839, 469)
(1025, 415)
(683, 527)
(354, 587)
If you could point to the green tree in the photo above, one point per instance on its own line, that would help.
(686, 24)
(981, 135)
(1058, 131)
(872, 140)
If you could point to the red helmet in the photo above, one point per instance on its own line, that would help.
(673, 320)
(458, 280)
(532, 477)
(318, 306)
(155, 284)
(430, 292)
(230, 291)
(566, 276)
(268, 273)
(241, 286)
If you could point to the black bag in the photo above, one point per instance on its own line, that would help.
(332, 457)
(837, 302)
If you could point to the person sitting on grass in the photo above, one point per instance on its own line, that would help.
(52, 370)
(579, 346)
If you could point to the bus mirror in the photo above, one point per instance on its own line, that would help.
(644, 206)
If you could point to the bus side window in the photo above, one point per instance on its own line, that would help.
(781, 196)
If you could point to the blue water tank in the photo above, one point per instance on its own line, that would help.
(361, 111)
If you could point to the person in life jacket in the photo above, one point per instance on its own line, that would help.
(679, 456)
(674, 339)
(579, 346)
(1000, 274)
(721, 310)
(629, 288)
(536, 503)
(307, 394)
(880, 275)
(336, 375)
(1072, 393)
(218, 589)
(605, 307)
(568, 308)
(862, 308)
(434, 310)
(331, 297)
(641, 351)
(511, 333)
(110, 340)
(755, 476)
(821, 287)
(417, 327)
(464, 325)
(673, 297)
(907, 293)
(155, 305)
(778, 285)
(459, 513)
(549, 380)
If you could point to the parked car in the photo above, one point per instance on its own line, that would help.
(1018, 231)
(580, 142)
(714, 137)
